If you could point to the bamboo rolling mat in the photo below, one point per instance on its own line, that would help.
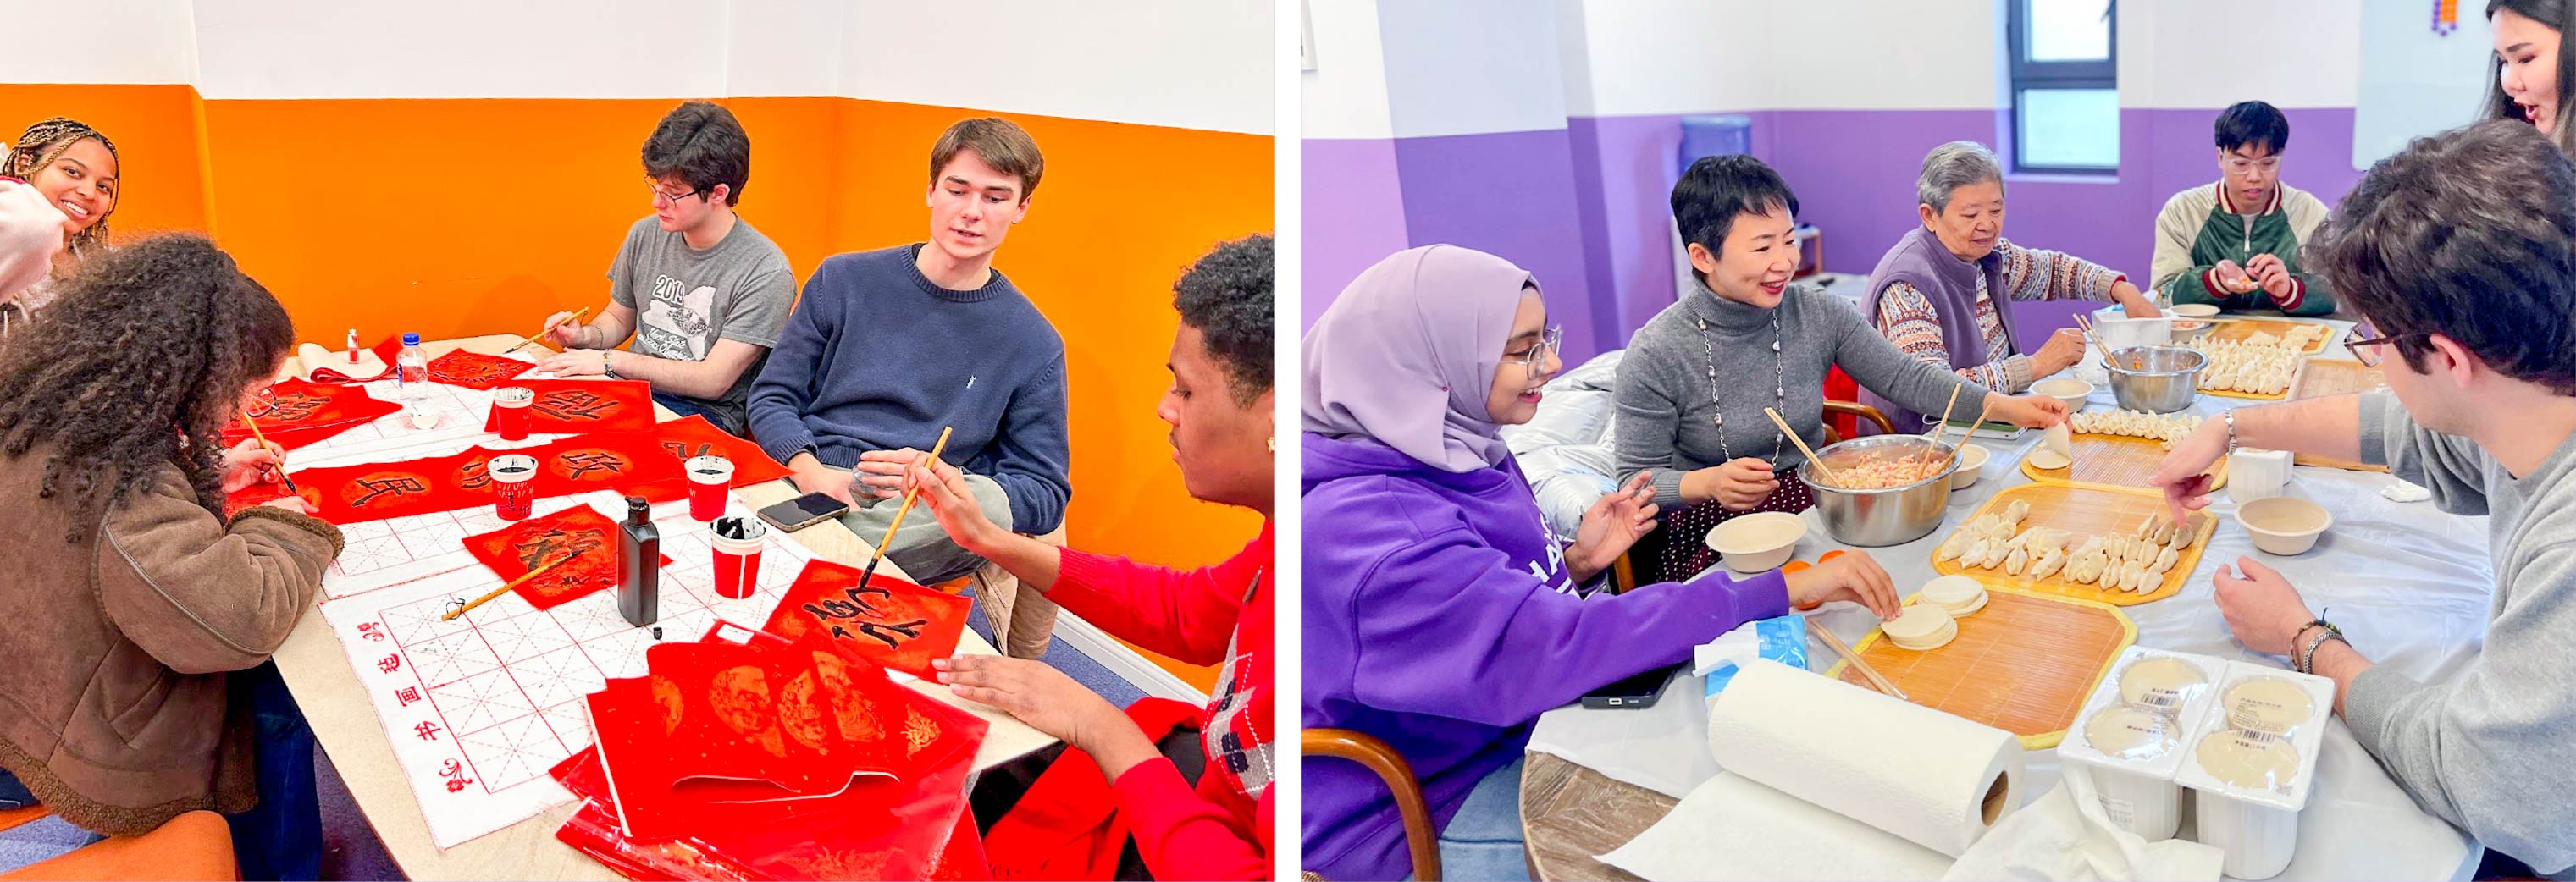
(2086, 510)
(2112, 461)
(2022, 664)
(2327, 377)
(2241, 328)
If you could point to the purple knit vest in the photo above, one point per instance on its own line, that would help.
(1950, 285)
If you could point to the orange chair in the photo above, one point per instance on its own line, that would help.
(196, 845)
(1390, 767)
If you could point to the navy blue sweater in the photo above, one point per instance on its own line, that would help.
(878, 357)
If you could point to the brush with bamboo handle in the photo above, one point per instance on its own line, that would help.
(908, 496)
(281, 465)
(505, 589)
(576, 317)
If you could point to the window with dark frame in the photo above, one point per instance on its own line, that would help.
(2063, 57)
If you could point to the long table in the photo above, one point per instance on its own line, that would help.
(317, 671)
(2410, 583)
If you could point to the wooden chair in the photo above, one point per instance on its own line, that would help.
(196, 845)
(1390, 767)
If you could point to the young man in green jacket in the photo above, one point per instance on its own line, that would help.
(2236, 243)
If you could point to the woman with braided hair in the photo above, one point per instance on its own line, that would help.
(142, 616)
(74, 168)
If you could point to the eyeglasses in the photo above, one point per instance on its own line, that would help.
(1549, 344)
(2367, 348)
(2237, 165)
(659, 196)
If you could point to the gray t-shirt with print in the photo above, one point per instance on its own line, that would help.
(685, 300)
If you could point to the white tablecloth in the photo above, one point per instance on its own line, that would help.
(2409, 584)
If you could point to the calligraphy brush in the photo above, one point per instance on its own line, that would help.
(263, 442)
(505, 589)
(541, 332)
(908, 497)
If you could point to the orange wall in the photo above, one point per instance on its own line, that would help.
(460, 217)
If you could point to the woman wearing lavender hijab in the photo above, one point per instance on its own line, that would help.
(1441, 615)
(1693, 385)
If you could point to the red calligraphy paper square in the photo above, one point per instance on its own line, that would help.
(515, 550)
(302, 413)
(475, 370)
(892, 622)
(630, 463)
(693, 436)
(572, 406)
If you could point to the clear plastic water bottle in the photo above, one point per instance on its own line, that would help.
(411, 368)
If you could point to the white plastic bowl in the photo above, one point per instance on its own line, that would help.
(2284, 525)
(2195, 311)
(2067, 389)
(1758, 543)
(1972, 464)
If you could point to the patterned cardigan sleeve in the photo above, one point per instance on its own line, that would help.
(2036, 274)
(1906, 318)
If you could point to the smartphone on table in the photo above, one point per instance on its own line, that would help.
(1634, 693)
(803, 511)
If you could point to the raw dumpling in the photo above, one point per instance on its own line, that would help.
(2164, 561)
(2061, 438)
(2049, 562)
(2016, 562)
(2016, 511)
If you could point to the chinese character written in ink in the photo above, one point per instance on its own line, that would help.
(455, 775)
(389, 663)
(575, 404)
(293, 407)
(857, 610)
(588, 461)
(555, 544)
(368, 631)
(681, 449)
(476, 475)
(427, 731)
(398, 486)
(403, 697)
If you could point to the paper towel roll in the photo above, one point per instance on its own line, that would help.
(1937, 780)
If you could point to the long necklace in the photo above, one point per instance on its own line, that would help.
(1779, 385)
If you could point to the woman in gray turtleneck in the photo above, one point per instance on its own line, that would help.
(1695, 380)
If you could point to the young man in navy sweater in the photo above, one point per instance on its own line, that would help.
(889, 346)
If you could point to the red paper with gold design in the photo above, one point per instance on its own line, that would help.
(305, 413)
(573, 406)
(514, 550)
(892, 622)
(878, 828)
(475, 370)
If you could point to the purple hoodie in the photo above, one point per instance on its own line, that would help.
(1439, 618)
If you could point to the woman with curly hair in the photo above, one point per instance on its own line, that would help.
(141, 617)
(75, 168)
(1163, 790)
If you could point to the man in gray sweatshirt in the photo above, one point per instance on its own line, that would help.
(2478, 311)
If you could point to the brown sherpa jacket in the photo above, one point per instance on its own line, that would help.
(113, 649)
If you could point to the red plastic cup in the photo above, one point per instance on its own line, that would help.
(709, 478)
(510, 407)
(514, 476)
(737, 555)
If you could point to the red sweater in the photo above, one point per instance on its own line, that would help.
(1223, 829)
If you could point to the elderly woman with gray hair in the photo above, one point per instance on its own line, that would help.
(1934, 294)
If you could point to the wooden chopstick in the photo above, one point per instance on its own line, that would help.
(908, 497)
(1836, 644)
(541, 332)
(281, 463)
(1940, 428)
(505, 589)
(1802, 446)
(2095, 336)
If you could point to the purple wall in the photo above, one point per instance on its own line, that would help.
(1854, 172)
(1354, 215)
(1586, 208)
